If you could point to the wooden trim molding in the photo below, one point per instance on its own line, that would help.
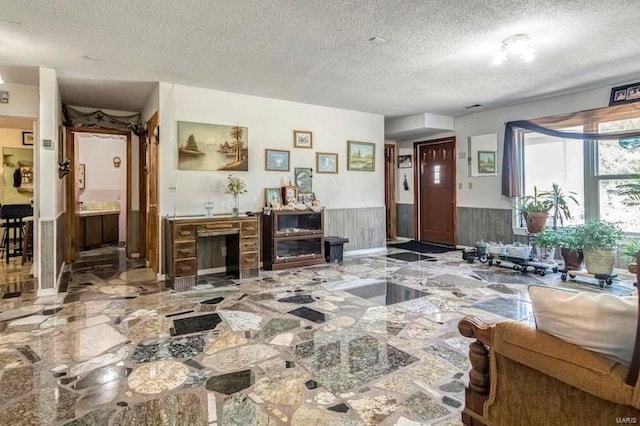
(391, 188)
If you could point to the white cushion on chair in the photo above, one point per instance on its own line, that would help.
(598, 322)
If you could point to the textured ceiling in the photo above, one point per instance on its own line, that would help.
(437, 57)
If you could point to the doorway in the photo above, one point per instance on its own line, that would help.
(99, 189)
(149, 185)
(436, 195)
(390, 189)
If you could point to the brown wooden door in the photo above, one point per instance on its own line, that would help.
(152, 220)
(390, 188)
(437, 192)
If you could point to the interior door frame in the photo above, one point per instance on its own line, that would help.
(390, 189)
(153, 189)
(70, 187)
(418, 187)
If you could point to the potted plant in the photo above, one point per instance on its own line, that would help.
(519, 251)
(546, 243)
(235, 186)
(600, 240)
(570, 243)
(535, 210)
(559, 201)
(630, 251)
(481, 247)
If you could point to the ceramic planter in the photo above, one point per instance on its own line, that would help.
(536, 222)
(633, 268)
(519, 252)
(497, 250)
(600, 261)
(572, 258)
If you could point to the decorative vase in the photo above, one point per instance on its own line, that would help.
(235, 211)
(600, 261)
(208, 208)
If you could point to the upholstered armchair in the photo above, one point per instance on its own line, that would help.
(522, 376)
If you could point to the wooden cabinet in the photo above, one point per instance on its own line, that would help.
(292, 238)
(242, 235)
(99, 229)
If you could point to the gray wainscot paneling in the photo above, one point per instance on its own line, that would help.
(133, 233)
(475, 224)
(405, 225)
(365, 227)
(61, 241)
(48, 268)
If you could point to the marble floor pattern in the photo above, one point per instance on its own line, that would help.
(370, 342)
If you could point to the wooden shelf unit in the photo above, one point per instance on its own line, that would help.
(299, 233)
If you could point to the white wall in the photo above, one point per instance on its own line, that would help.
(23, 101)
(486, 191)
(271, 123)
(152, 105)
(12, 138)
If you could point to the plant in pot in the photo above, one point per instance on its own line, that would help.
(535, 210)
(630, 251)
(600, 240)
(559, 201)
(570, 243)
(546, 243)
(481, 247)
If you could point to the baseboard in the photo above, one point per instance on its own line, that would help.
(365, 251)
(47, 292)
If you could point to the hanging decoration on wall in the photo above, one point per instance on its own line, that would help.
(116, 162)
(63, 168)
(99, 119)
(405, 184)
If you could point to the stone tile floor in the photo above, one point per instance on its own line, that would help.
(372, 341)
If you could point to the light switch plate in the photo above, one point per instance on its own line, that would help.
(470, 185)
(459, 185)
(47, 143)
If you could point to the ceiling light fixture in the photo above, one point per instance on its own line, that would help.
(517, 45)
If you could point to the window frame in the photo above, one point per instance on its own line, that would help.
(589, 120)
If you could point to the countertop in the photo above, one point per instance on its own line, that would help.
(84, 213)
(201, 217)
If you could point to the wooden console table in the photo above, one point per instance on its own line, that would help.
(242, 236)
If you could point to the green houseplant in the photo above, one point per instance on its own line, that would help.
(559, 201)
(235, 186)
(535, 210)
(546, 243)
(600, 240)
(630, 251)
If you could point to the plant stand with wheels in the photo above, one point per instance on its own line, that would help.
(522, 265)
(602, 279)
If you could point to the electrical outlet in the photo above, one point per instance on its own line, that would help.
(224, 250)
(470, 185)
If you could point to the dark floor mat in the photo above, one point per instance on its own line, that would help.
(411, 257)
(420, 247)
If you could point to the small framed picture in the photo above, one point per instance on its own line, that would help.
(276, 160)
(272, 197)
(4, 97)
(302, 139)
(404, 161)
(306, 197)
(303, 178)
(361, 156)
(486, 163)
(625, 94)
(27, 138)
(326, 162)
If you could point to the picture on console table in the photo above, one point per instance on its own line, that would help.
(204, 146)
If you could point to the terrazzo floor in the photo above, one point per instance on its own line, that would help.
(370, 342)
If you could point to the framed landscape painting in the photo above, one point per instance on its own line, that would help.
(486, 163)
(212, 147)
(361, 156)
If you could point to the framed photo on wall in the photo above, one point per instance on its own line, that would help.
(404, 161)
(303, 179)
(361, 156)
(4, 97)
(302, 139)
(326, 162)
(27, 138)
(625, 94)
(486, 163)
(276, 160)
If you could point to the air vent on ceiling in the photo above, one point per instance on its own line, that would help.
(474, 106)
(377, 40)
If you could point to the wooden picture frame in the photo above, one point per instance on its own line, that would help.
(272, 195)
(326, 162)
(27, 138)
(487, 163)
(361, 156)
(302, 139)
(304, 179)
(625, 94)
(276, 160)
